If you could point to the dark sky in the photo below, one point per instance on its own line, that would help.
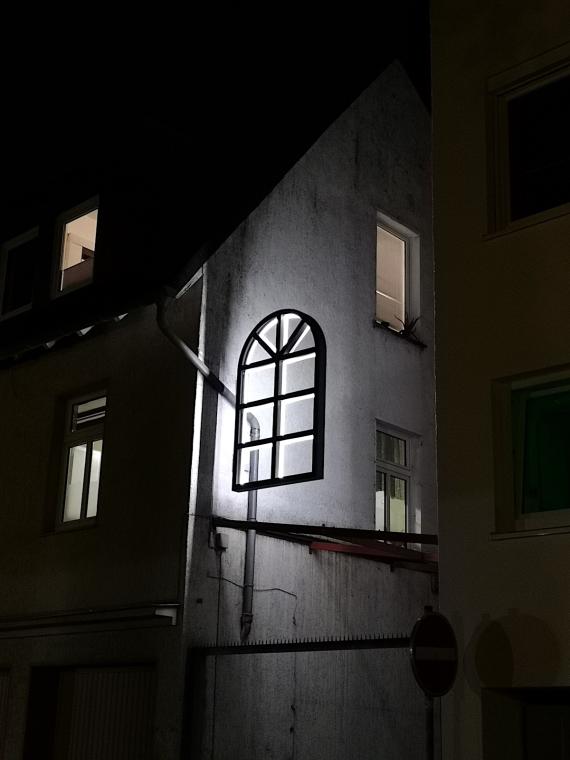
(213, 110)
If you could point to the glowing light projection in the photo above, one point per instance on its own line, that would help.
(281, 382)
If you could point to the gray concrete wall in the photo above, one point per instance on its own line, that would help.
(311, 245)
(502, 309)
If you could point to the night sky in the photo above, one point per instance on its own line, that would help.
(217, 109)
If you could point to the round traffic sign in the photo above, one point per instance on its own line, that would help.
(433, 651)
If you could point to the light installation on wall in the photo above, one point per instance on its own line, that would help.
(281, 398)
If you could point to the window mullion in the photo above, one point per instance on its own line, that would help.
(86, 479)
(405, 281)
(386, 501)
(394, 469)
(276, 389)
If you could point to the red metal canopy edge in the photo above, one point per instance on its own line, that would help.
(377, 545)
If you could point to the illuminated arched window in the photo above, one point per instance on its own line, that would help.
(279, 436)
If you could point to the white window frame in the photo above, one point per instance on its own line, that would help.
(92, 204)
(411, 241)
(509, 517)
(407, 472)
(73, 438)
(502, 88)
(5, 250)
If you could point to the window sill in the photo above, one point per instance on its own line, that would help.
(73, 525)
(534, 532)
(408, 338)
(161, 615)
(532, 220)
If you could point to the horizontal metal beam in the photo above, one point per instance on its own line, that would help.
(331, 532)
(384, 641)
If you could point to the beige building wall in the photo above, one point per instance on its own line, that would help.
(91, 598)
(502, 309)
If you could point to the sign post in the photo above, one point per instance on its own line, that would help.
(433, 653)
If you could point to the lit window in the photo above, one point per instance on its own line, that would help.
(397, 275)
(79, 232)
(83, 451)
(390, 278)
(280, 403)
(18, 262)
(393, 481)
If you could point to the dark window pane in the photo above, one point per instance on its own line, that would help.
(88, 413)
(20, 275)
(390, 449)
(539, 150)
(546, 452)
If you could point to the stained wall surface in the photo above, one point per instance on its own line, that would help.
(502, 310)
(311, 246)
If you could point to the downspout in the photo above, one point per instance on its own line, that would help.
(254, 433)
(193, 358)
(249, 559)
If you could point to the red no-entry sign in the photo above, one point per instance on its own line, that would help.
(433, 651)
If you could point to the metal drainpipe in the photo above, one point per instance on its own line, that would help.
(251, 534)
(202, 368)
(254, 432)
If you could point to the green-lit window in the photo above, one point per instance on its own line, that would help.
(393, 476)
(541, 448)
(82, 458)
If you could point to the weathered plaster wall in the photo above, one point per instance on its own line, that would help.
(311, 245)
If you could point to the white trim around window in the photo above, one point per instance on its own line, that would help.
(81, 461)
(397, 498)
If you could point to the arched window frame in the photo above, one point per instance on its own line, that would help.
(276, 358)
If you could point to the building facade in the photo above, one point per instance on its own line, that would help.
(117, 467)
(500, 93)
